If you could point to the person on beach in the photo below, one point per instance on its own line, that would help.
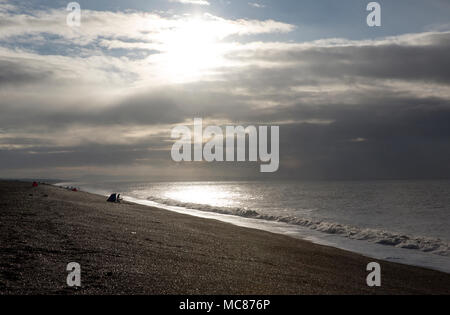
(112, 198)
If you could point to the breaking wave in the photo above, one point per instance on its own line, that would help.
(425, 244)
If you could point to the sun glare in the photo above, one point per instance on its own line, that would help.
(201, 194)
(192, 50)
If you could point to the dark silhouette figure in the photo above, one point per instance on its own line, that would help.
(112, 198)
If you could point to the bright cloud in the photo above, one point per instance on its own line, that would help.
(197, 2)
(256, 5)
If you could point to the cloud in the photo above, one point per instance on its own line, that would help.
(256, 5)
(196, 2)
(83, 100)
(133, 26)
(411, 57)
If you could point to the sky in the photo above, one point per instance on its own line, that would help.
(100, 100)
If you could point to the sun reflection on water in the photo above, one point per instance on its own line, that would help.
(203, 194)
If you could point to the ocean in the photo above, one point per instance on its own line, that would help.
(401, 221)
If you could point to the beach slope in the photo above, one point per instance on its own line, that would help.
(132, 249)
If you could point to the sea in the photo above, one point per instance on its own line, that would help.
(401, 221)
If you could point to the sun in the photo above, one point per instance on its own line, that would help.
(192, 50)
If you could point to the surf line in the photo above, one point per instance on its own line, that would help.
(209, 145)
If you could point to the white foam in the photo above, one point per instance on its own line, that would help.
(368, 249)
(388, 238)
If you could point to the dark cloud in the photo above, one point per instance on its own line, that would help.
(404, 140)
(16, 73)
(426, 60)
(357, 111)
